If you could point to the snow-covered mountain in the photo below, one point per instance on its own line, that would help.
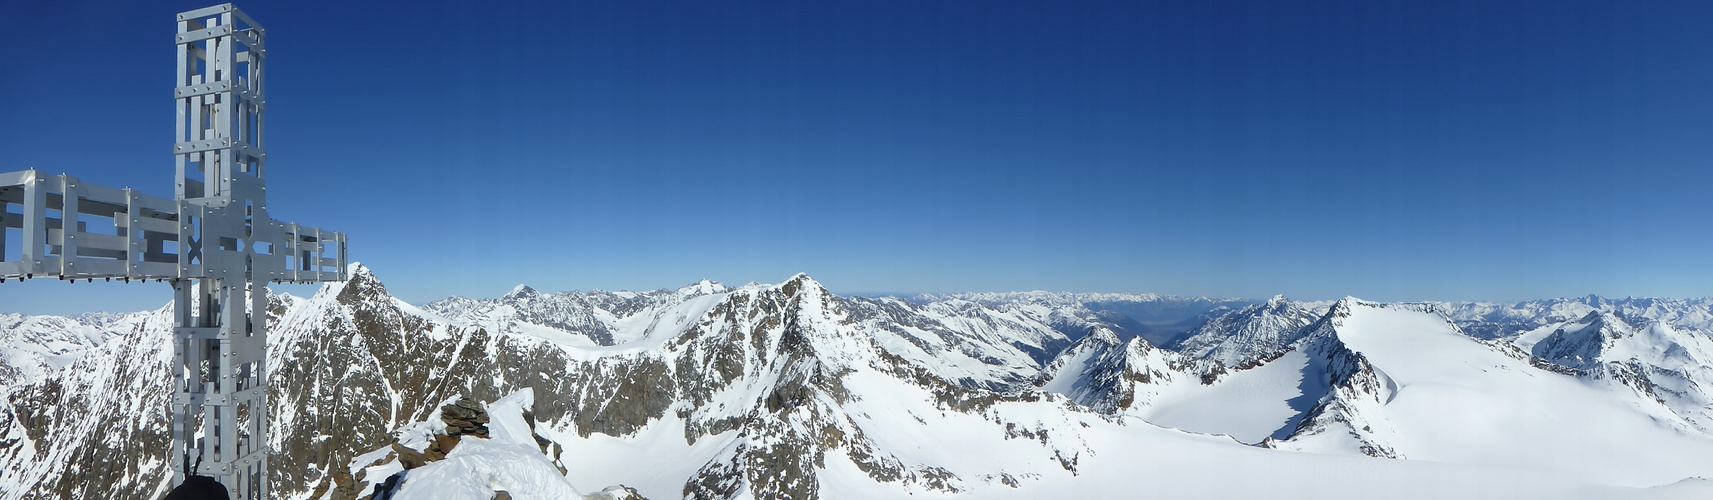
(1672, 365)
(1252, 335)
(86, 416)
(1489, 320)
(1416, 387)
(1158, 318)
(1403, 381)
(790, 391)
(1111, 375)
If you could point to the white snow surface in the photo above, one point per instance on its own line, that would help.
(1249, 405)
(1458, 401)
(477, 468)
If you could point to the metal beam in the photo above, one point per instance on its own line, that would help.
(206, 12)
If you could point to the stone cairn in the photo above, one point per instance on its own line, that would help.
(463, 417)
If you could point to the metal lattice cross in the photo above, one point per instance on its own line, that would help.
(214, 242)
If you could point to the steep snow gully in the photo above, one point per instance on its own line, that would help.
(791, 391)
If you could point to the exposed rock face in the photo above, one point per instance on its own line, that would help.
(776, 345)
(1579, 344)
(351, 365)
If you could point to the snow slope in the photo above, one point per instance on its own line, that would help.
(1447, 398)
(1249, 405)
(477, 468)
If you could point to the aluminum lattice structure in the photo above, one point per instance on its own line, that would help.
(214, 242)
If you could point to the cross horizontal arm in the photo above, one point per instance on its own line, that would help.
(55, 226)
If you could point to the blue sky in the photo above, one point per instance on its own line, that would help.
(1433, 150)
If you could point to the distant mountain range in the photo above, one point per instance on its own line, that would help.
(790, 391)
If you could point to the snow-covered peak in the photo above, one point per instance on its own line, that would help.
(521, 292)
(1605, 337)
(1102, 335)
(1581, 343)
(1075, 371)
(1249, 336)
(362, 285)
(360, 281)
(704, 287)
(355, 269)
(802, 281)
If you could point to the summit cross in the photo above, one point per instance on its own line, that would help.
(214, 242)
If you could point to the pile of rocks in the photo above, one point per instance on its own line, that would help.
(465, 416)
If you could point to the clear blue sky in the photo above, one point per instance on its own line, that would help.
(1419, 150)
